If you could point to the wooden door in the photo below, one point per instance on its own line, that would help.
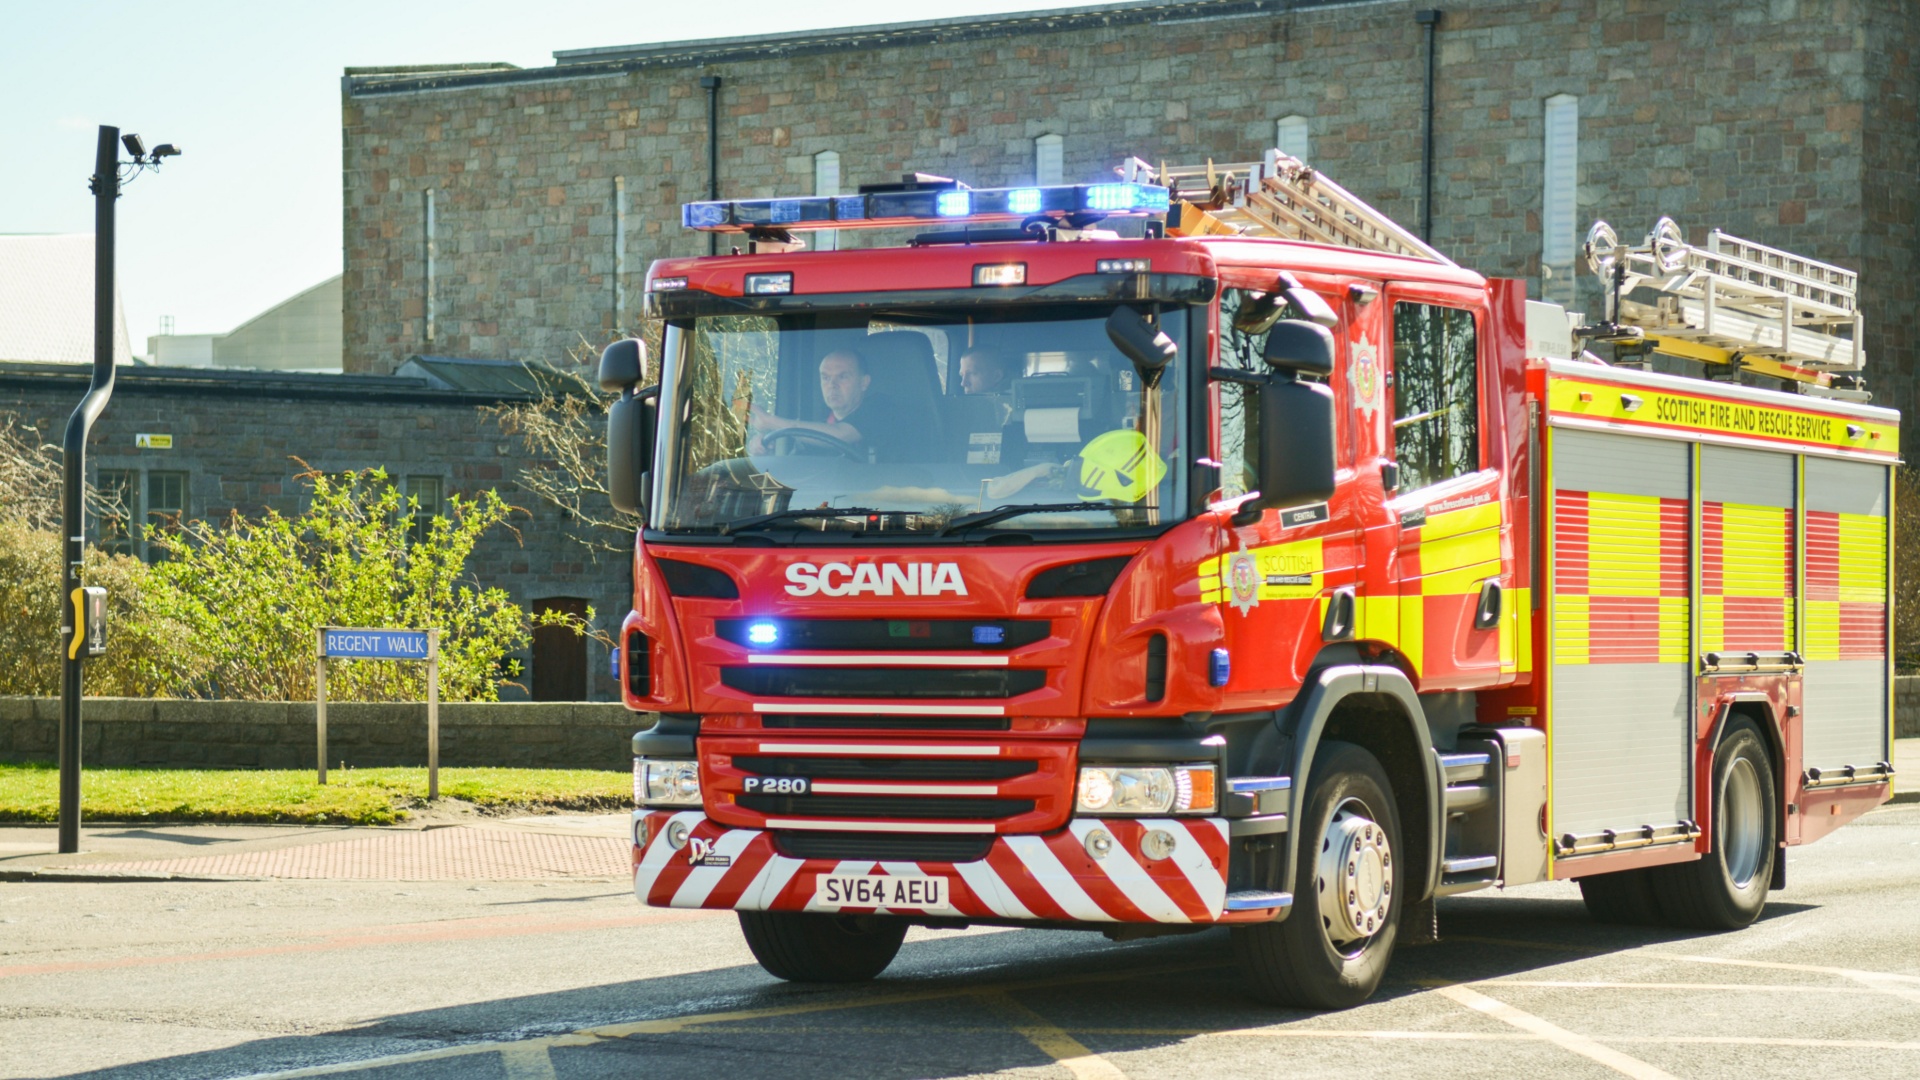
(559, 654)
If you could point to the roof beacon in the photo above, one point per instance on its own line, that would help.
(1079, 204)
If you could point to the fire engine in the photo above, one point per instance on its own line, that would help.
(1201, 548)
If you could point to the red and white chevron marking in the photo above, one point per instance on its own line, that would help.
(1023, 877)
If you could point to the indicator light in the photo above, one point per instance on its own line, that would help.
(1000, 274)
(1023, 201)
(954, 204)
(763, 633)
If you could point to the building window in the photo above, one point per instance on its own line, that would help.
(1290, 137)
(1436, 419)
(1559, 183)
(166, 508)
(119, 491)
(1049, 160)
(826, 181)
(423, 495)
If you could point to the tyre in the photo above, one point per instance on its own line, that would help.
(1624, 897)
(1332, 950)
(1726, 889)
(805, 947)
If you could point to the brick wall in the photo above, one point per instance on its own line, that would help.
(1789, 121)
(239, 451)
(121, 732)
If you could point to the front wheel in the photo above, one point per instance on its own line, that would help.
(819, 948)
(1332, 950)
(1726, 889)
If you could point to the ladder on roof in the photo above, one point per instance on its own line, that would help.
(1731, 301)
(1278, 196)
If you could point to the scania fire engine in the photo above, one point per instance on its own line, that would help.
(1202, 548)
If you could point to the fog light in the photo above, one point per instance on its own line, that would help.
(677, 835)
(1099, 843)
(1157, 844)
(642, 832)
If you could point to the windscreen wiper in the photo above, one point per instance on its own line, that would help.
(1000, 513)
(795, 514)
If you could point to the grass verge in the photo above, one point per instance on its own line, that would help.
(30, 793)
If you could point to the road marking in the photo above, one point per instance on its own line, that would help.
(527, 1061)
(1554, 1033)
(354, 939)
(1557, 984)
(1052, 1040)
(1883, 982)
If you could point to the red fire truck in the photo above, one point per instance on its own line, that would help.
(1201, 548)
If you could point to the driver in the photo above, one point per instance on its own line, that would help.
(855, 417)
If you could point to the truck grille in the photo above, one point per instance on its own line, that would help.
(882, 847)
(911, 785)
(802, 682)
(925, 807)
(881, 768)
(891, 635)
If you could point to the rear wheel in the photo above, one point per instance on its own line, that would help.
(1332, 950)
(807, 947)
(1726, 889)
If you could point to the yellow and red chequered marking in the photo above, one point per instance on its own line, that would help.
(1620, 579)
(1746, 578)
(1050, 877)
(1846, 586)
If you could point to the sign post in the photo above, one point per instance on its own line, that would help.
(347, 643)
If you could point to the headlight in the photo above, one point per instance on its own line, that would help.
(1154, 789)
(666, 783)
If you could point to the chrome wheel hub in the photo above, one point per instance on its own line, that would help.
(1743, 828)
(1355, 876)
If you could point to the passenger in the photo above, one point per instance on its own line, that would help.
(855, 417)
(983, 371)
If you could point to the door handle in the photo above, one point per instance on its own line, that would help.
(1486, 613)
(1338, 625)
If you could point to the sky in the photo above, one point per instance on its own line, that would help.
(249, 214)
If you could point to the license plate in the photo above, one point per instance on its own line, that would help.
(882, 890)
(777, 785)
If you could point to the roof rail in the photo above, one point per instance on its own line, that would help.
(1731, 301)
(1279, 196)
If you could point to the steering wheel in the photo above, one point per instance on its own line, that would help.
(844, 448)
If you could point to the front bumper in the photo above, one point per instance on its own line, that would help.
(1043, 878)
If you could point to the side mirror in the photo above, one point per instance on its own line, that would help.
(1258, 314)
(1307, 301)
(623, 365)
(1300, 347)
(1148, 348)
(631, 424)
(1296, 443)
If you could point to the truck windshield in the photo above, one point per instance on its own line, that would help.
(918, 421)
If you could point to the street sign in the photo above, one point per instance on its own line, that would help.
(348, 644)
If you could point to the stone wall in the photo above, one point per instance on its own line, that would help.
(1790, 122)
(241, 441)
(119, 732)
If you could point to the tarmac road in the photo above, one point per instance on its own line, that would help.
(566, 978)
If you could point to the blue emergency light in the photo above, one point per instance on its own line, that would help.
(948, 204)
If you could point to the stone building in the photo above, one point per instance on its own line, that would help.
(203, 443)
(548, 190)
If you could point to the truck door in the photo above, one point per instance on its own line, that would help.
(1445, 525)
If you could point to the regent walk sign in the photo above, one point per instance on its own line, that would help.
(345, 643)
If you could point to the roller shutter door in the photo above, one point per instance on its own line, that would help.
(1621, 632)
(1845, 691)
(1747, 569)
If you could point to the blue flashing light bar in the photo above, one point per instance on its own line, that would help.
(895, 208)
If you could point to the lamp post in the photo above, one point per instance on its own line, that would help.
(79, 634)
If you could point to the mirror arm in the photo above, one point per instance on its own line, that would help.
(1235, 375)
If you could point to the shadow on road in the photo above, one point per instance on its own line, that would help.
(949, 1006)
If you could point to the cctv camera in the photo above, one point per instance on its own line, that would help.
(134, 146)
(166, 149)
